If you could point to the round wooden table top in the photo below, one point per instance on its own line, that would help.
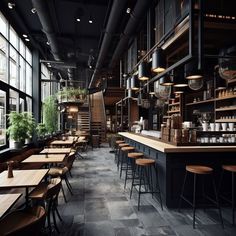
(197, 169)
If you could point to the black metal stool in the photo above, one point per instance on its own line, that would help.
(124, 160)
(131, 165)
(144, 167)
(203, 171)
(231, 169)
(119, 153)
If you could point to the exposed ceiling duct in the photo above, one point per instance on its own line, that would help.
(137, 14)
(45, 19)
(114, 18)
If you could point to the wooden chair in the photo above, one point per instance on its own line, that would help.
(23, 222)
(48, 193)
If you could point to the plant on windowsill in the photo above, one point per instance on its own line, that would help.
(30, 127)
(41, 130)
(17, 129)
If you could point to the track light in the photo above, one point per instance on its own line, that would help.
(11, 5)
(128, 10)
(90, 20)
(78, 19)
(33, 10)
(24, 35)
(27, 39)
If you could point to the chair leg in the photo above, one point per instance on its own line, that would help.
(63, 192)
(121, 163)
(182, 191)
(132, 184)
(194, 198)
(233, 198)
(158, 185)
(55, 221)
(217, 201)
(70, 174)
(140, 183)
(49, 218)
(69, 186)
(58, 214)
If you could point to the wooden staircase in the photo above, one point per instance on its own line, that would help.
(83, 121)
(98, 117)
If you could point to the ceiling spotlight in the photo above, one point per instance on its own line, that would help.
(24, 35)
(78, 19)
(128, 10)
(90, 67)
(48, 43)
(11, 5)
(33, 10)
(90, 20)
(27, 39)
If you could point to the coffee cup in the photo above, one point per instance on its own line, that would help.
(231, 126)
(224, 126)
(212, 126)
(213, 139)
(206, 139)
(205, 126)
(217, 126)
(221, 139)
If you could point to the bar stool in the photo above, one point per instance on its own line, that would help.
(117, 148)
(132, 156)
(124, 160)
(231, 169)
(145, 168)
(198, 170)
(119, 153)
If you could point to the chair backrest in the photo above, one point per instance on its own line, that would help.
(53, 188)
(29, 227)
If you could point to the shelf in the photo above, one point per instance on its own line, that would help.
(226, 108)
(224, 98)
(166, 117)
(216, 132)
(200, 102)
(174, 104)
(177, 111)
(226, 120)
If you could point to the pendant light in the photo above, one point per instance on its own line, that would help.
(134, 83)
(162, 92)
(158, 61)
(143, 71)
(166, 80)
(194, 75)
(150, 88)
(179, 80)
(178, 90)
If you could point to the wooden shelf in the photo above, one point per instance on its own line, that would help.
(200, 102)
(177, 111)
(226, 120)
(174, 104)
(226, 108)
(224, 98)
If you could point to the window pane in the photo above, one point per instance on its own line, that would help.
(13, 100)
(22, 48)
(3, 59)
(13, 54)
(13, 74)
(28, 79)
(13, 38)
(2, 118)
(22, 105)
(22, 74)
(29, 104)
(3, 25)
(28, 56)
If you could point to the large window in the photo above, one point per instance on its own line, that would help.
(2, 118)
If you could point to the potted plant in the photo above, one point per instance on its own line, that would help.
(17, 129)
(30, 126)
(41, 130)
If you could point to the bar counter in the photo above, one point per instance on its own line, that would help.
(172, 160)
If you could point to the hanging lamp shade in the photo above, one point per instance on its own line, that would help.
(166, 80)
(151, 90)
(143, 71)
(179, 80)
(192, 71)
(179, 90)
(134, 83)
(158, 61)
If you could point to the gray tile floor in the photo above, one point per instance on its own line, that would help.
(101, 207)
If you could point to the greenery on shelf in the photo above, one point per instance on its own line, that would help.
(72, 94)
(50, 114)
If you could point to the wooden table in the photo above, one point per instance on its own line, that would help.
(62, 143)
(7, 201)
(55, 151)
(45, 158)
(22, 179)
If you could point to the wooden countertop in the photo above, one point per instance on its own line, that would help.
(168, 148)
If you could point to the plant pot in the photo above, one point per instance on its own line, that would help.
(28, 140)
(17, 145)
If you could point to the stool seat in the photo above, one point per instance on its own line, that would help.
(124, 149)
(144, 162)
(135, 154)
(196, 169)
(123, 145)
(231, 168)
(119, 141)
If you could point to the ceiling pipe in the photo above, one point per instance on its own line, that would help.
(117, 11)
(136, 15)
(46, 22)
